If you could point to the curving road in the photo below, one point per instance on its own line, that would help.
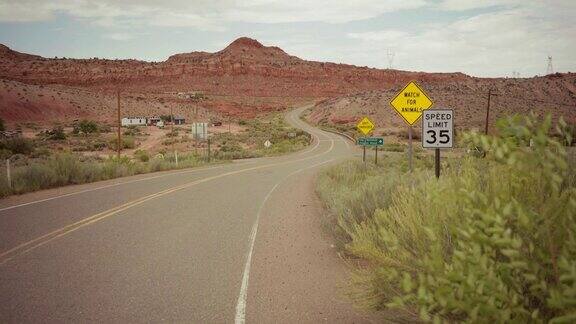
(241, 242)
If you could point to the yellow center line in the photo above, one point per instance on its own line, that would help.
(44, 239)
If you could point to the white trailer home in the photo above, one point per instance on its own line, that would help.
(133, 121)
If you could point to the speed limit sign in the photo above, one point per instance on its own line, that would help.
(438, 128)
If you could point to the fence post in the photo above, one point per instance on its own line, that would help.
(8, 175)
(208, 149)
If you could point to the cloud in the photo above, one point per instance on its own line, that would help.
(23, 11)
(391, 36)
(489, 44)
(460, 5)
(329, 11)
(202, 13)
(484, 38)
(118, 36)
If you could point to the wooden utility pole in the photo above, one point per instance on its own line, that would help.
(488, 112)
(119, 148)
(173, 137)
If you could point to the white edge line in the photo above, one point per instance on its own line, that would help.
(162, 193)
(240, 317)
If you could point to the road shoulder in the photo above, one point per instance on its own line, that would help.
(297, 276)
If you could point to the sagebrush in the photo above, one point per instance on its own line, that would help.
(493, 240)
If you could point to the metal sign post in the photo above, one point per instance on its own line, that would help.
(373, 142)
(410, 148)
(364, 154)
(365, 126)
(438, 132)
(437, 163)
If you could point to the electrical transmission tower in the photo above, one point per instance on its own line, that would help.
(549, 68)
(390, 56)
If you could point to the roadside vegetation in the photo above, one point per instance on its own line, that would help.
(67, 168)
(492, 240)
(250, 143)
(86, 153)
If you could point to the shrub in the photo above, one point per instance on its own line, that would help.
(104, 128)
(5, 153)
(2, 126)
(86, 127)
(17, 145)
(128, 142)
(56, 134)
(33, 177)
(491, 241)
(142, 155)
(132, 130)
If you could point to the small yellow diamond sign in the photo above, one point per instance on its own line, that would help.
(410, 102)
(365, 126)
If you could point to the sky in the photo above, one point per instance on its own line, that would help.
(486, 38)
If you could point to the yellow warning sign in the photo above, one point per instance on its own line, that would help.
(410, 102)
(365, 126)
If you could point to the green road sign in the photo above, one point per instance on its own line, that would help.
(371, 141)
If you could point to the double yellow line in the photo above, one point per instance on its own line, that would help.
(44, 239)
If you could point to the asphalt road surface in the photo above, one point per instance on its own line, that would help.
(240, 242)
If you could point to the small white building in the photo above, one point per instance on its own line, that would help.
(133, 121)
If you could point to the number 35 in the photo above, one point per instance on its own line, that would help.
(444, 137)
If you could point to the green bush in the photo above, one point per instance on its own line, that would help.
(17, 145)
(55, 134)
(86, 127)
(128, 142)
(66, 168)
(491, 241)
(5, 153)
(33, 177)
(142, 155)
(131, 130)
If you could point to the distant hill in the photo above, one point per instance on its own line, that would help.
(554, 94)
(244, 79)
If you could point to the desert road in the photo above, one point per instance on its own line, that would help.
(239, 242)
